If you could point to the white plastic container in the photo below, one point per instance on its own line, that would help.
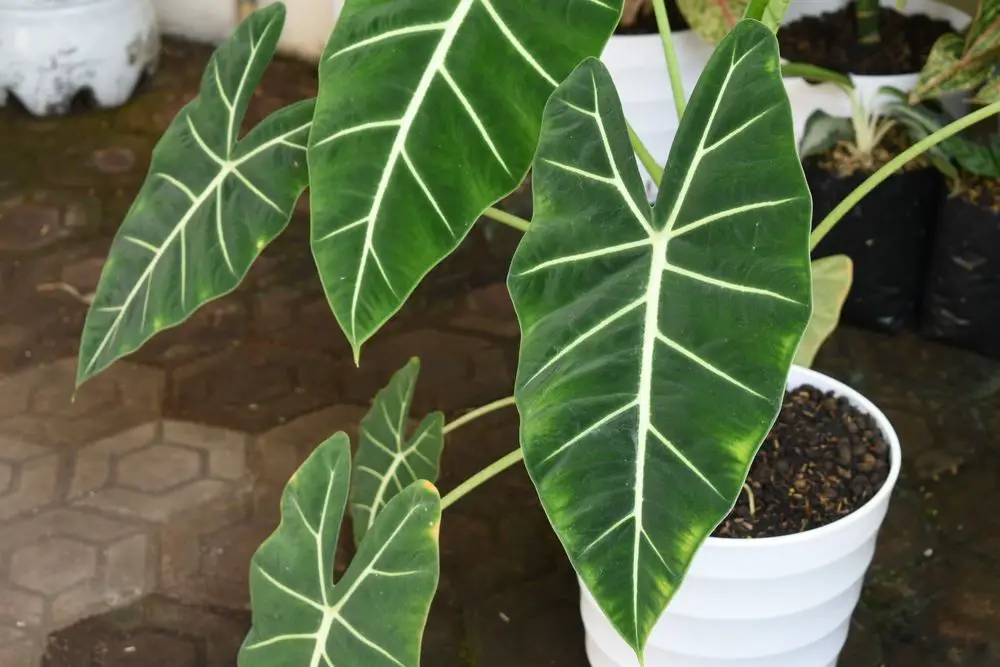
(770, 602)
(639, 70)
(806, 98)
(51, 50)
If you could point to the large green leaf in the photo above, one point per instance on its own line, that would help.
(375, 615)
(655, 344)
(387, 462)
(209, 205)
(831, 282)
(428, 112)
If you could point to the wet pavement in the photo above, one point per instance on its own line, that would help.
(128, 517)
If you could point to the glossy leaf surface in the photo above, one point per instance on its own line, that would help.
(428, 112)
(656, 343)
(210, 203)
(375, 615)
(831, 283)
(387, 461)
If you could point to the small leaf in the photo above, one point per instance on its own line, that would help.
(980, 157)
(656, 343)
(209, 206)
(990, 91)
(774, 14)
(376, 614)
(712, 19)
(831, 282)
(948, 70)
(823, 132)
(982, 37)
(387, 462)
(427, 114)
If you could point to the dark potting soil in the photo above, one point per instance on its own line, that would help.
(962, 294)
(822, 460)
(829, 40)
(885, 235)
(645, 23)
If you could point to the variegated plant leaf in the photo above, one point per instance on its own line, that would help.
(982, 37)
(387, 461)
(989, 92)
(949, 69)
(656, 343)
(376, 613)
(208, 207)
(712, 19)
(428, 112)
(831, 283)
(823, 132)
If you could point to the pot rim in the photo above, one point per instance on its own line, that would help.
(859, 401)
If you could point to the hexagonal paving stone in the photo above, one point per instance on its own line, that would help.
(29, 477)
(158, 468)
(6, 476)
(53, 566)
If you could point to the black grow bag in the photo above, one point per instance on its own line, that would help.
(886, 236)
(962, 294)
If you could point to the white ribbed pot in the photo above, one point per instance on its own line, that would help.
(639, 71)
(770, 602)
(807, 98)
(50, 50)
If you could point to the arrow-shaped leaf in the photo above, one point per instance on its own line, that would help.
(387, 462)
(831, 282)
(428, 112)
(209, 205)
(375, 615)
(656, 344)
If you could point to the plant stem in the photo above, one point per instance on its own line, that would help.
(815, 73)
(506, 218)
(654, 169)
(484, 475)
(676, 84)
(887, 170)
(750, 500)
(477, 413)
(866, 14)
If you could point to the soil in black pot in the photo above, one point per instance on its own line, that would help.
(962, 294)
(885, 235)
(645, 24)
(822, 460)
(830, 40)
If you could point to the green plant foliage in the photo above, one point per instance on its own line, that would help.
(376, 614)
(823, 132)
(831, 283)
(387, 461)
(393, 192)
(962, 63)
(656, 343)
(210, 203)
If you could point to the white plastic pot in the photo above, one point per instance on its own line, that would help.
(807, 98)
(770, 602)
(639, 70)
(50, 51)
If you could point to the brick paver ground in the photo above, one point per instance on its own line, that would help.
(162, 476)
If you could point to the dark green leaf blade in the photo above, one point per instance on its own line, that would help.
(427, 114)
(209, 204)
(375, 615)
(823, 132)
(655, 345)
(387, 461)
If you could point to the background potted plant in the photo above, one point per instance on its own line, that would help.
(886, 238)
(962, 287)
(641, 408)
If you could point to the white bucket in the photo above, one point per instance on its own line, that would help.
(807, 98)
(771, 602)
(639, 70)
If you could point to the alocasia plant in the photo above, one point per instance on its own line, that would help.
(655, 341)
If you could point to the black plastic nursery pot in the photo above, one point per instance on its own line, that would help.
(886, 236)
(962, 294)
